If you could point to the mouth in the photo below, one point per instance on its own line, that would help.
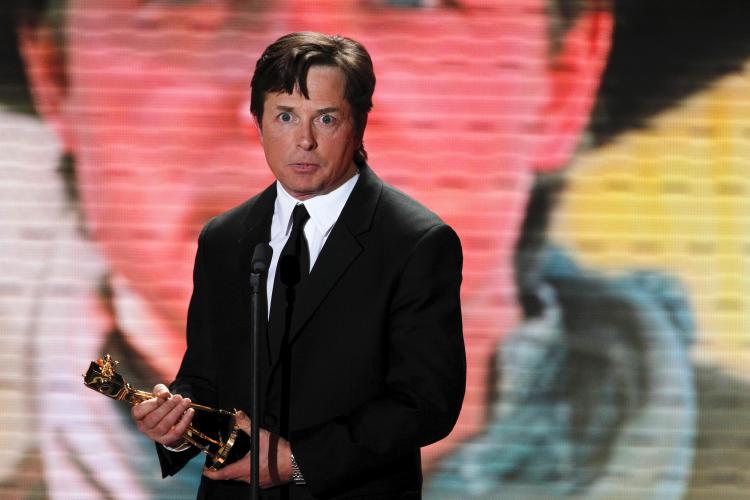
(304, 167)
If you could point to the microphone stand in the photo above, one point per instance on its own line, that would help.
(260, 262)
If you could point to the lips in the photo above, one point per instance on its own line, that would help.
(304, 167)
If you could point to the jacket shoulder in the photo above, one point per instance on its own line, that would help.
(404, 215)
(236, 220)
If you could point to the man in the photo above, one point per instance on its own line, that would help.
(150, 99)
(366, 363)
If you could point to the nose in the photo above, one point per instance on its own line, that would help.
(306, 139)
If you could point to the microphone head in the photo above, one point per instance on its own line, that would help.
(261, 258)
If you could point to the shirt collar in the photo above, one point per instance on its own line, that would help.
(324, 209)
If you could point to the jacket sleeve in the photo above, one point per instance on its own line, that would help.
(424, 380)
(196, 376)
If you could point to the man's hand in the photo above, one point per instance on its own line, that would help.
(275, 459)
(165, 417)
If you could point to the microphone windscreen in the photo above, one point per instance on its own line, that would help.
(261, 258)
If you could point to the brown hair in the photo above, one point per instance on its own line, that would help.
(284, 65)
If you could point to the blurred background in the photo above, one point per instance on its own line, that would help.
(592, 156)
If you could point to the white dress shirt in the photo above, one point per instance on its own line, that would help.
(324, 211)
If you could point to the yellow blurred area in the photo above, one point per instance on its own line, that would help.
(675, 195)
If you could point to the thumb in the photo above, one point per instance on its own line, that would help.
(242, 421)
(161, 391)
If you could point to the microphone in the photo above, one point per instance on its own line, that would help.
(261, 258)
(259, 265)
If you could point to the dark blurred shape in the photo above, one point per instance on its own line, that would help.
(14, 92)
(663, 51)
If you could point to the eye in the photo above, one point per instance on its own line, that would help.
(405, 3)
(327, 120)
(285, 117)
(420, 4)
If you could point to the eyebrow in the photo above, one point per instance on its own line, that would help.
(331, 109)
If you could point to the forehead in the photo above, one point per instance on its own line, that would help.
(326, 85)
(502, 16)
(231, 34)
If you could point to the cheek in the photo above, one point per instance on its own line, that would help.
(464, 140)
(275, 141)
(338, 144)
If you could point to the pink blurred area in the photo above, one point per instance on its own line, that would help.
(153, 104)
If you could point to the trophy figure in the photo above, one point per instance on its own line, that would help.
(225, 445)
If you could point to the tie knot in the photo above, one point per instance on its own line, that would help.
(299, 217)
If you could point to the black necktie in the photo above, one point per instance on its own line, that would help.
(293, 267)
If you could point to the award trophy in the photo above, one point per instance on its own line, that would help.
(227, 444)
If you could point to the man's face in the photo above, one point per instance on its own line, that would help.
(158, 106)
(309, 143)
(157, 109)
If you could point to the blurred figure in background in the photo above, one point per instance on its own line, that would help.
(149, 101)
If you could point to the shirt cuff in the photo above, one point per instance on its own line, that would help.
(182, 447)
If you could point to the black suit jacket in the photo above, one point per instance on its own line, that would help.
(375, 366)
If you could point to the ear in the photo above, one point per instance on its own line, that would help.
(45, 70)
(258, 128)
(574, 76)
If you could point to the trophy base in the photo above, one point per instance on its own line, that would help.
(236, 446)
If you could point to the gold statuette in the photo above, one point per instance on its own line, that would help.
(224, 443)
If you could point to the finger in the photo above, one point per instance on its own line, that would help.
(238, 471)
(142, 409)
(161, 391)
(167, 414)
(181, 426)
(166, 432)
(160, 408)
(161, 419)
(243, 422)
(176, 434)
